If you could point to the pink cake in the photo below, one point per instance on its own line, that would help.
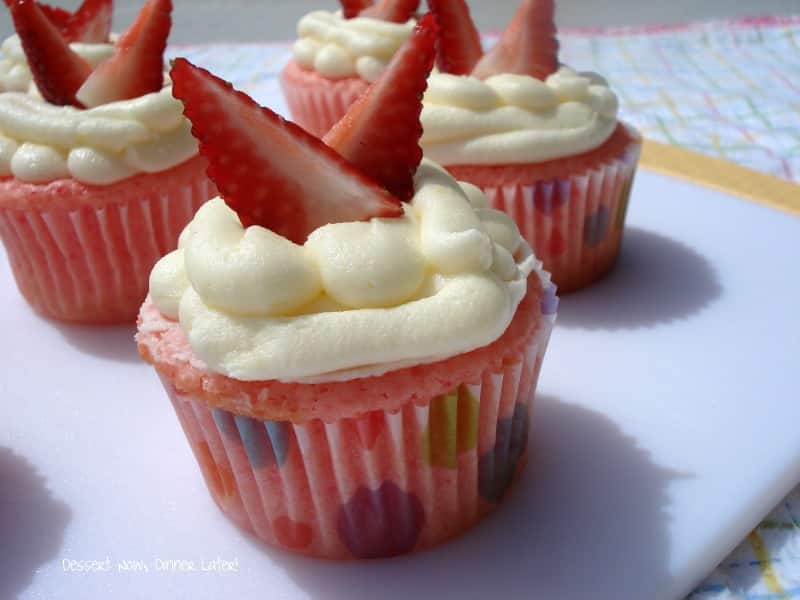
(316, 102)
(541, 140)
(351, 356)
(571, 210)
(337, 56)
(98, 170)
(365, 468)
(84, 253)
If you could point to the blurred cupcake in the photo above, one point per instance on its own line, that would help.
(338, 54)
(99, 171)
(542, 141)
(351, 340)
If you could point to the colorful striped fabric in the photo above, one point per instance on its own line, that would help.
(766, 566)
(727, 89)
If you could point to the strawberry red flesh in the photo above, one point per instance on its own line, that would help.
(56, 69)
(381, 130)
(528, 46)
(459, 41)
(91, 23)
(352, 8)
(55, 14)
(395, 11)
(269, 170)
(137, 66)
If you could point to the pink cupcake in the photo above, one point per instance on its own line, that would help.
(337, 56)
(353, 373)
(542, 141)
(99, 172)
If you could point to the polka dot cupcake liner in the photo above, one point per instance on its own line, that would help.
(381, 483)
(316, 103)
(84, 253)
(575, 223)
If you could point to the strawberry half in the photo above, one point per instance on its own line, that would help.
(394, 11)
(137, 66)
(55, 14)
(352, 8)
(91, 23)
(56, 69)
(459, 41)
(269, 170)
(529, 45)
(381, 130)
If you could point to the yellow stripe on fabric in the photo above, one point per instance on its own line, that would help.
(765, 563)
(721, 175)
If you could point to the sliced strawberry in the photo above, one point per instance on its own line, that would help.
(381, 130)
(91, 23)
(394, 11)
(529, 45)
(57, 70)
(57, 15)
(137, 65)
(459, 41)
(270, 171)
(352, 8)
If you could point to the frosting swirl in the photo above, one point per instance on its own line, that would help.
(15, 75)
(40, 142)
(356, 299)
(516, 118)
(336, 47)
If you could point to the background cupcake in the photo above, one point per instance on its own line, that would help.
(98, 169)
(338, 54)
(365, 391)
(542, 141)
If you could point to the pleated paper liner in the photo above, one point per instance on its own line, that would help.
(574, 223)
(316, 103)
(379, 483)
(75, 259)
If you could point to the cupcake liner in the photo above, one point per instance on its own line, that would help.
(316, 103)
(92, 264)
(575, 223)
(379, 484)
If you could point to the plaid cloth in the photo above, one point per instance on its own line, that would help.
(728, 89)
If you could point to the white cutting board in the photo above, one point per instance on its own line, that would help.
(667, 424)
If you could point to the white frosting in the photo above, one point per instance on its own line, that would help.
(40, 142)
(336, 47)
(15, 75)
(356, 299)
(516, 118)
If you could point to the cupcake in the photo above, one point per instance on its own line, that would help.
(542, 141)
(337, 56)
(99, 172)
(350, 338)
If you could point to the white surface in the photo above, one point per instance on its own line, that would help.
(665, 427)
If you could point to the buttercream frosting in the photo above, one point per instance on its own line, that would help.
(40, 142)
(356, 299)
(336, 47)
(514, 119)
